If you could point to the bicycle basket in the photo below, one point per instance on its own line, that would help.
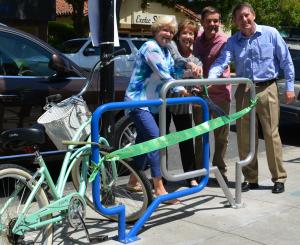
(62, 121)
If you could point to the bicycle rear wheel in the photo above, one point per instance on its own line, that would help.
(14, 191)
(115, 191)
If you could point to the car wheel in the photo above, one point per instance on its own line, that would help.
(125, 132)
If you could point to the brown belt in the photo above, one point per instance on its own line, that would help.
(264, 83)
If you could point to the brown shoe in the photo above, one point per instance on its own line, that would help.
(169, 202)
(172, 201)
(134, 188)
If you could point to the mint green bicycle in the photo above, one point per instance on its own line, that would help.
(27, 215)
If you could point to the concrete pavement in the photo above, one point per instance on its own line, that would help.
(205, 218)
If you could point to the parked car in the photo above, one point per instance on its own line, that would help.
(291, 113)
(82, 52)
(26, 79)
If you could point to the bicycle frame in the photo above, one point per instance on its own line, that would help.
(61, 202)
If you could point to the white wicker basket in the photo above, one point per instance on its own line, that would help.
(62, 122)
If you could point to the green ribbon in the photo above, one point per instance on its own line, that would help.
(170, 139)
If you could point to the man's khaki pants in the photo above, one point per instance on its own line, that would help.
(267, 111)
(221, 139)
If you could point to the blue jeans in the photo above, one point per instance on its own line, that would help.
(147, 129)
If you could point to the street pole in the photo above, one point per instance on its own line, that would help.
(107, 87)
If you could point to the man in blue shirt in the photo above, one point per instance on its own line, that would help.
(258, 53)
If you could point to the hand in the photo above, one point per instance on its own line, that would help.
(247, 87)
(196, 70)
(289, 97)
(196, 90)
(184, 93)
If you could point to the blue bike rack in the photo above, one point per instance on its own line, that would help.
(120, 210)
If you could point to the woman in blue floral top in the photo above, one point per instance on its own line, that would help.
(154, 66)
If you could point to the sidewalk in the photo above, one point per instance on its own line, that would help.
(204, 218)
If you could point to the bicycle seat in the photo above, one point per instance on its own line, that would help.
(20, 137)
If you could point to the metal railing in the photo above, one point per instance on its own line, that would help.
(162, 103)
(238, 173)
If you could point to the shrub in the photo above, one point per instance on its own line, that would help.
(59, 32)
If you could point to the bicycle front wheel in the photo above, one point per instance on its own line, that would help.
(14, 191)
(115, 191)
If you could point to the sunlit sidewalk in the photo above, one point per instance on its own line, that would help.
(206, 218)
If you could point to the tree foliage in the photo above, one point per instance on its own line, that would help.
(78, 16)
(276, 13)
(268, 12)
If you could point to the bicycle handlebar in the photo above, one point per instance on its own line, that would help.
(108, 59)
(114, 54)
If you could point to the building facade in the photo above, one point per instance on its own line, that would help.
(137, 18)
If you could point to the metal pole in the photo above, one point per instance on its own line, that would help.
(107, 73)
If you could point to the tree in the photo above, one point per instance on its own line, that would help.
(276, 13)
(78, 16)
(198, 5)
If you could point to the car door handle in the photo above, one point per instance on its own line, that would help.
(8, 97)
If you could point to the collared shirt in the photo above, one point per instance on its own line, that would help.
(258, 57)
(208, 51)
(154, 66)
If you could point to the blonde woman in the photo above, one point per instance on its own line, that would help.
(154, 66)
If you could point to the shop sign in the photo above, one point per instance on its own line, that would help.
(139, 18)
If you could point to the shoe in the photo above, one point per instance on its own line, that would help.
(278, 188)
(246, 186)
(134, 188)
(169, 202)
(192, 183)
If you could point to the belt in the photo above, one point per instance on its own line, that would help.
(264, 83)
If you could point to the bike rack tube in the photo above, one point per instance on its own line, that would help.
(162, 130)
(120, 210)
(162, 127)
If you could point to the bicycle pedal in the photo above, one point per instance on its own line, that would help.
(97, 239)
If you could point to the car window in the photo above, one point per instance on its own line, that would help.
(19, 56)
(123, 44)
(7, 65)
(296, 60)
(138, 43)
(91, 50)
(72, 46)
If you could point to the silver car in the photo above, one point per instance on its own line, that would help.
(82, 52)
(291, 113)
